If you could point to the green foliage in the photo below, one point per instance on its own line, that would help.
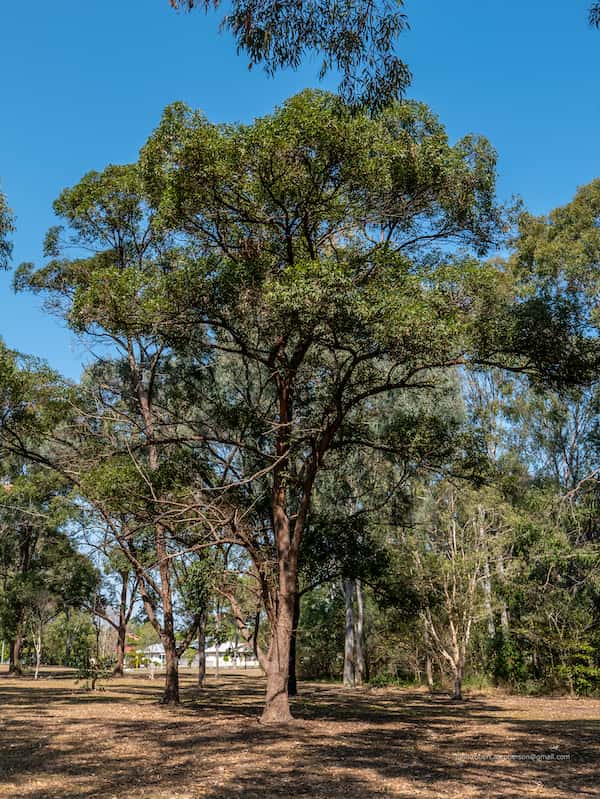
(201, 578)
(354, 39)
(69, 639)
(92, 669)
(321, 635)
(42, 574)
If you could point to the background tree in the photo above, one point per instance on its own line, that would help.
(116, 604)
(6, 228)
(42, 574)
(125, 457)
(450, 551)
(32, 510)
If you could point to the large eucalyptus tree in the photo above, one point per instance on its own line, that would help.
(331, 257)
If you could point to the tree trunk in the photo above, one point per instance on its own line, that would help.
(14, 666)
(121, 638)
(37, 643)
(167, 629)
(171, 691)
(429, 672)
(69, 638)
(504, 623)
(122, 628)
(287, 539)
(277, 662)
(349, 644)
(360, 635)
(459, 671)
(457, 693)
(487, 593)
(217, 639)
(292, 679)
(277, 706)
(202, 650)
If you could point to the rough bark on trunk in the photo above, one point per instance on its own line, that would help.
(202, 650)
(287, 539)
(349, 643)
(457, 693)
(292, 678)
(360, 635)
(171, 690)
(277, 706)
(14, 666)
(120, 663)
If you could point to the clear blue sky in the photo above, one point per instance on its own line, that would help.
(84, 83)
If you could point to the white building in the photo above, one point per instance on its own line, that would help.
(155, 653)
(229, 654)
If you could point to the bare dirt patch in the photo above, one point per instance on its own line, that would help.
(60, 742)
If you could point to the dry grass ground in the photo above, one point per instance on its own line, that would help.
(60, 742)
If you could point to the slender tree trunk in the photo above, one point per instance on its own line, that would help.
(69, 637)
(349, 643)
(122, 628)
(145, 399)
(504, 623)
(202, 650)
(458, 679)
(14, 666)
(292, 678)
(360, 635)
(487, 593)
(171, 692)
(217, 640)
(38, 650)
(429, 672)
(120, 663)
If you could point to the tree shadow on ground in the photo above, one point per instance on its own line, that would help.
(354, 745)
